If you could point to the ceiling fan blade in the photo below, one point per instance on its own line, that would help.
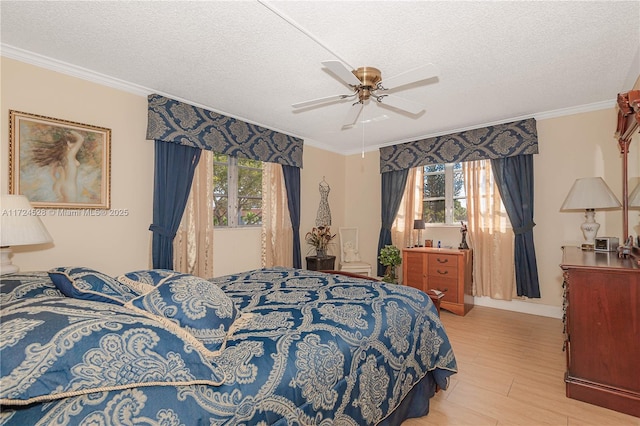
(417, 74)
(320, 100)
(401, 103)
(340, 70)
(353, 114)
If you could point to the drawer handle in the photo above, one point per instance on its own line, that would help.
(442, 291)
(445, 272)
(442, 260)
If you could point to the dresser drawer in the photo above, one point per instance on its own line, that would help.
(443, 261)
(439, 271)
(449, 286)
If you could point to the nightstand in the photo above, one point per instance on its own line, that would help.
(315, 263)
(435, 297)
(446, 270)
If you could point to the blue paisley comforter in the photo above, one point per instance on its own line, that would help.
(306, 348)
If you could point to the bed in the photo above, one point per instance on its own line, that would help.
(270, 346)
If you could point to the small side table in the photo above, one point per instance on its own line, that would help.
(315, 263)
(435, 297)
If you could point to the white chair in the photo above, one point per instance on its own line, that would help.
(349, 254)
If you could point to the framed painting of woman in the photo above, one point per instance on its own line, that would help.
(58, 163)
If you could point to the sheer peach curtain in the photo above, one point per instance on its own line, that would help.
(490, 234)
(402, 232)
(193, 244)
(277, 231)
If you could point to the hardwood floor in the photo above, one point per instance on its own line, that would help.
(510, 372)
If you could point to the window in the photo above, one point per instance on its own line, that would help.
(237, 191)
(444, 199)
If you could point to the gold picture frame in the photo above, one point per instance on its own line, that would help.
(59, 163)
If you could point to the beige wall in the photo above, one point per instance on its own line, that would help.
(245, 243)
(362, 184)
(319, 164)
(119, 244)
(110, 244)
(570, 147)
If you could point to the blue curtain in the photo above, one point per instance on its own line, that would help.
(174, 168)
(176, 123)
(393, 184)
(292, 184)
(514, 177)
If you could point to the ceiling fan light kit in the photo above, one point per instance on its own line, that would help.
(367, 82)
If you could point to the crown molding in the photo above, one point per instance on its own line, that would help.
(62, 67)
(579, 109)
(42, 61)
(66, 68)
(596, 106)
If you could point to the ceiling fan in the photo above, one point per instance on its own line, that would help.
(367, 83)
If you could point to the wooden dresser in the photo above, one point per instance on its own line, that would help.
(602, 329)
(445, 270)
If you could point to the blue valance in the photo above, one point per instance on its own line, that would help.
(174, 121)
(487, 143)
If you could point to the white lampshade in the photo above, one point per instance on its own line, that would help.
(589, 194)
(19, 226)
(634, 197)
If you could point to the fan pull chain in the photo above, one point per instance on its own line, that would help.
(363, 124)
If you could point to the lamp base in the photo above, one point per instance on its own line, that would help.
(589, 229)
(6, 267)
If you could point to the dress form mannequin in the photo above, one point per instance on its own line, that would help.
(324, 212)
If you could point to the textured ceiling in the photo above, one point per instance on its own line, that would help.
(497, 61)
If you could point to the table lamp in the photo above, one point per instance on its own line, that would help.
(18, 227)
(634, 203)
(634, 197)
(419, 225)
(589, 194)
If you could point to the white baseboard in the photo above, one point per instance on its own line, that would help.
(520, 306)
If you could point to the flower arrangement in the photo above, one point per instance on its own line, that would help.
(390, 257)
(319, 238)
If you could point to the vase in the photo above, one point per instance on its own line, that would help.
(321, 252)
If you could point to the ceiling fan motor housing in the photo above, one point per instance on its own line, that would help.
(369, 77)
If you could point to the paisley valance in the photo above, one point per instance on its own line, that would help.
(170, 120)
(499, 141)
